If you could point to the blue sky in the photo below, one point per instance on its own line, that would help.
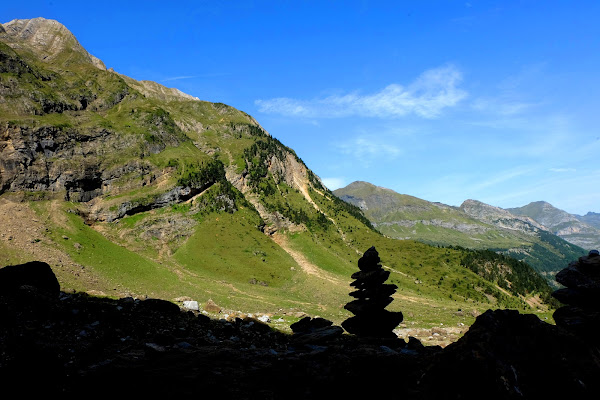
(496, 101)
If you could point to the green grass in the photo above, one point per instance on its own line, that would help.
(228, 247)
(124, 269)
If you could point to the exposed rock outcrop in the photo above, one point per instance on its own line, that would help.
(501, 218)
(48, 37)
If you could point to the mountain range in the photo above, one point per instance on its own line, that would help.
(129, 188)
(538, 233)
(584, 231)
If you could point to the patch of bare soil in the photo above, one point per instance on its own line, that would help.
(305, 265)
(25, 231)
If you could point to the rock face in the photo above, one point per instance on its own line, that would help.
(501, 218)
(582, 296)
(371, 319)
(49, 37)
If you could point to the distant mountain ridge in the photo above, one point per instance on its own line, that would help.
(573, 228)
(472, 225)
(591, 218)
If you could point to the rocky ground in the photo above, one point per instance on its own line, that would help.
(73, 344)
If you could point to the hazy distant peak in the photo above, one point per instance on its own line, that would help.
(362, 185)
(544, 213)
(500, 217)
(48, 37)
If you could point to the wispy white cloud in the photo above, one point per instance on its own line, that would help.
(432, 92)
(501, 177)
(177, 78)
(513, 94)
(365, 149)
(207, 75)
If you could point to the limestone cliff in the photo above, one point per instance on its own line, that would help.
(49, 39)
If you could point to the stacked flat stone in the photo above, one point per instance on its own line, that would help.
(582, 296)
(371, 319)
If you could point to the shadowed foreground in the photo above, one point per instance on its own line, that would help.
(73, 344)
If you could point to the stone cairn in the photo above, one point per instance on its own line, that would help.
(581, 315)
(371, 319)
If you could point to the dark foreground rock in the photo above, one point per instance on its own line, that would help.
(581, 315)
(507, 355)
(74, 345)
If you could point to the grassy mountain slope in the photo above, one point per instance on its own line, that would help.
(473, 225)
(132, 189)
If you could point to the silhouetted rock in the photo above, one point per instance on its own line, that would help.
(158, 306)
(35, 273)
(582, 296)
(72, 343)
(308, 324)
(507, 355)
(314, 330)
(370, 317)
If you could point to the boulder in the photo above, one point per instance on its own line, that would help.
(35, 273)
(308, 324)
(191, 305)
(211, 306)
(508, 355)
(319, 335)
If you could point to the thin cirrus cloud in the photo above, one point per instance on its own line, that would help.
(177, 78)
(207, 75)
(365, 149)
(433, 91)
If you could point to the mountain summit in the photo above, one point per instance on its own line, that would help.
(49, 39)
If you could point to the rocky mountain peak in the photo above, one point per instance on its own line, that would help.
(477, 208)
(544, 213)
(500, 217)
(49, 38)
(581, 231)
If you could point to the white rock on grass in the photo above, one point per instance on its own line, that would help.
(191, 305)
